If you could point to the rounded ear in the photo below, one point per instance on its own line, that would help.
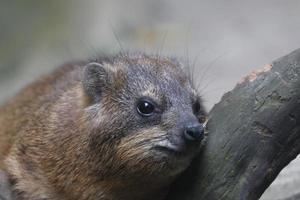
(95, 78)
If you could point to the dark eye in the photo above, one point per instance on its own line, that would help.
(196, 107)
(145, 108)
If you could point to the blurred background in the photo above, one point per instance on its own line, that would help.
(224, 39)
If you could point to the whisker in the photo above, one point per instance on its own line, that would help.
(117, 39)
(211, 65)
(160, 49)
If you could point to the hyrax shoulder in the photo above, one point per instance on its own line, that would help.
(116, 128)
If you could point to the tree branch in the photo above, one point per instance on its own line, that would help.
(254, 132)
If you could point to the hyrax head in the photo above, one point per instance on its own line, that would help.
(144, 116)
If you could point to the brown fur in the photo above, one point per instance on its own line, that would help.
(59, 143)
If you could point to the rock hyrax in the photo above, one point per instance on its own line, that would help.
(114, 128)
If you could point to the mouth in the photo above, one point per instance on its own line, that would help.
(174, 157)
(172, 149)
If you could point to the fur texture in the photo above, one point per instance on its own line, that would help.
(76, 133)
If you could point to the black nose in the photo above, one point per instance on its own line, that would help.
(194, 132)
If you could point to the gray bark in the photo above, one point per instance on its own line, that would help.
(254, 132)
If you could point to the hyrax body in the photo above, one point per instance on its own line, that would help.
(116, 128)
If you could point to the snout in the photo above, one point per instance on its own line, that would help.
(193, 132)
(187, 138)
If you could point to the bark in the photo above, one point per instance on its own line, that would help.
(254, 132)
(293, 197)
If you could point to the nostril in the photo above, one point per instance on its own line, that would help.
(194, 132)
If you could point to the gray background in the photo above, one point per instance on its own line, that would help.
(225, 40)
